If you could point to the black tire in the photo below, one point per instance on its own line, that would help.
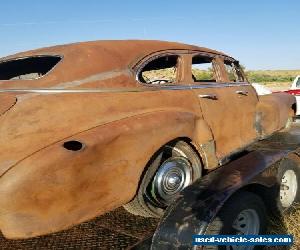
(288, 166)
(239, 202)
(144, 203)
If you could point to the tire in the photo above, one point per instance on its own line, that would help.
(241, 205)
(176, 165)
(289, 181)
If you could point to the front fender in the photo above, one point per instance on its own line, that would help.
(56, 188)
(273, 112)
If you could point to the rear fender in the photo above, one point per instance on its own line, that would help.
(56, 188)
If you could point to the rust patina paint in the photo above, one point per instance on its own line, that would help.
(121, 123)
(6, 102)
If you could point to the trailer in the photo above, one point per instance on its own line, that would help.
(264, 177)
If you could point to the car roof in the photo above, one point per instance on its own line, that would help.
(125, 50)
(107, 57)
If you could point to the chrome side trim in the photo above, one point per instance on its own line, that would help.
(121, 90)
(209, 96)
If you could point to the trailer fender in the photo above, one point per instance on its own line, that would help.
(199, 203)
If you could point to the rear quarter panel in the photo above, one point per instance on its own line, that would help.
(48, 188)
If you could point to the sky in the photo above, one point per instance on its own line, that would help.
(261, 34)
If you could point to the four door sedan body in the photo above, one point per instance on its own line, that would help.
(88, 127)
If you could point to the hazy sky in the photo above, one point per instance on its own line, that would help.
(262, 34)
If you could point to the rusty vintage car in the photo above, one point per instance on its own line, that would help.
(88, 127)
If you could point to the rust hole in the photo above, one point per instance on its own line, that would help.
(73, 145)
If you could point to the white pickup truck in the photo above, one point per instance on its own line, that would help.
(295, 90)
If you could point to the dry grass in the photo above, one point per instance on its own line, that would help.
(273, 78)
(287, 224)
(277, 73)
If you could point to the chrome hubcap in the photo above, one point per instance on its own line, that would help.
(172, 177)
(247, 222)
(288, 188)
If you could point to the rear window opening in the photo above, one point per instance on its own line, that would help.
(27, 68)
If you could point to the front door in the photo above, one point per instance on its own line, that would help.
(228, 107)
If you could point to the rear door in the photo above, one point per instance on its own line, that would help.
(227, 105)
(246, 100)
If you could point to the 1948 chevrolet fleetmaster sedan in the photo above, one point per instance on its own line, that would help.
(88, 127)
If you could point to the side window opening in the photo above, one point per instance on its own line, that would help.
(202, 69)
(27, 68)
(234, 72)
(162, 70)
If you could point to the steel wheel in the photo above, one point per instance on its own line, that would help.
(288, 193)
(243, 214)
(288, 188)
(247, 222)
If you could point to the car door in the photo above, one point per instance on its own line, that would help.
(246, 100)
(228, 107)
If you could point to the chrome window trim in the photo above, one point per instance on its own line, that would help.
(122, 90)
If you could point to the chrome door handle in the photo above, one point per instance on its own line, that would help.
(241, 92)
(209, 96)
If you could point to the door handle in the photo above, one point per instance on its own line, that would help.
(209, 96)
(241, 92)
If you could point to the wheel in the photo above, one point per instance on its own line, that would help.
(173, 168)
(244, 213)
(289, 179)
